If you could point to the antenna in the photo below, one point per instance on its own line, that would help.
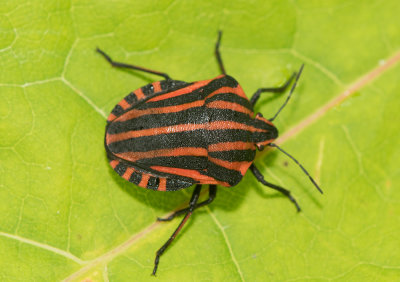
(304, 170)
(290, 94)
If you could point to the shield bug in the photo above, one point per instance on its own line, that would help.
(170, 134)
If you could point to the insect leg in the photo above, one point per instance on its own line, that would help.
(212, 192)
(279, 89)
(284, 191)
(218, 55)
(290, 93)
(128, 66)
(192, 206)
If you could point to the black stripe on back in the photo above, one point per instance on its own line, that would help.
(177, 184)
(117, 111)
(196, 115)
(121, 168)
(265, 136)
(229, 115)
(166, 86)
(225, 81)
(187, 162)
(153, 183)
(234, 155)
(220, 173)
(228, 135)
(148, 89)
(172, 85)
(136, 177)
(197, 138)
(174, 101)
(261, 124)
(131, 98)
(155, 142)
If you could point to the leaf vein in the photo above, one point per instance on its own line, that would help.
(228, 244)
(44, 246)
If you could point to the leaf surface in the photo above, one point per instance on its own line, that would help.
(67, 215)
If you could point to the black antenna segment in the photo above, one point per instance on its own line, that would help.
(290, 93)
(304, 170)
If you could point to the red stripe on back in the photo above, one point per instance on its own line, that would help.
(156, 86)
(222, 90)
(239, 91)
(124, 104)
(238, 166)
(145, 180)
(114, 163)
(182, 91)
(139, 94)
(110, 138)
(229, 146)
(184, 151)
(111, 117)
(236, 90)
(153, 131)
(135, 113)
(194, 174)
(163, 184)
(232, 125)
(128, 173)
(229, 106)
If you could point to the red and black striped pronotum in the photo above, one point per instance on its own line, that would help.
(171, 134)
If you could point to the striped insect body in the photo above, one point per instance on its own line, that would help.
(170, 134)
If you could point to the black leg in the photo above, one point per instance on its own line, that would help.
(218, 55)
(123, 65)
(212, 192)
(261, 179)
(280, 89)
(192, 206)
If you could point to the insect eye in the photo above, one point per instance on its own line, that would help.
(260, 147)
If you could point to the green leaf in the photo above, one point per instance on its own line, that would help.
(67, 215)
